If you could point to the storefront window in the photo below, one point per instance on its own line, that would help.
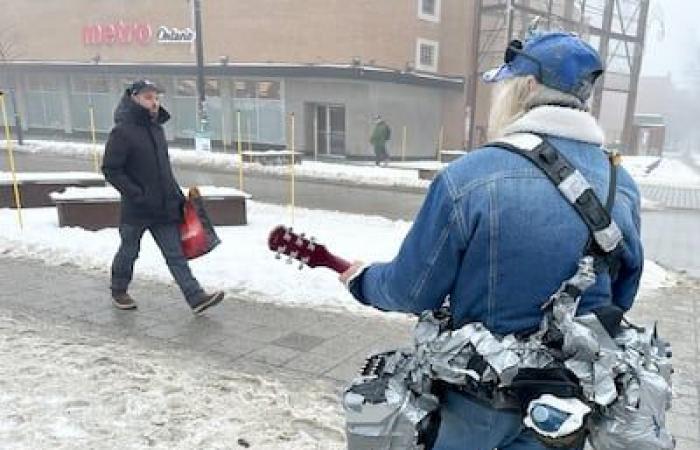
(268, 90)
(89, 84)
(244, 89)
(186, 87)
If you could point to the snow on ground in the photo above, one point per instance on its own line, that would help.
(242, 264)
(6, 177)
(63, 386)
(651, 170)
(359, 174)
(667, 171)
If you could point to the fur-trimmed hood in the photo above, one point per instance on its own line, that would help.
(559, 121)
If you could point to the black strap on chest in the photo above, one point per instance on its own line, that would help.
(605, 241)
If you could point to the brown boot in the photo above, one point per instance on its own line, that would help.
(122, 300)
(206, 301)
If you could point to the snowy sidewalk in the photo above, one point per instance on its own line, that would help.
(319, 344)
(277, 342)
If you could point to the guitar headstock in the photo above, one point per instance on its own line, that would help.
(284, 241)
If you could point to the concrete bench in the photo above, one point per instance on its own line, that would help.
(35, 187)
(450, 155)
(271, 157)
(427, 174)
(94, 208)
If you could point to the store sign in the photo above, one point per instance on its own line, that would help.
(117, 33)
(175, 35)
(121, 33)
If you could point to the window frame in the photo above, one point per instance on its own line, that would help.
(430, 17)
(436, 46)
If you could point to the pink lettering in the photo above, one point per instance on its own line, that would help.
(117, 33)
(92, 35)
(123, 33)
(109, 34)
(143, 33)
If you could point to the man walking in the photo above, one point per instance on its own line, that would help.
(137, 164)
(380, 135)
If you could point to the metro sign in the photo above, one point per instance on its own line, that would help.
(117, 33)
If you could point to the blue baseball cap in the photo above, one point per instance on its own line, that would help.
(558, 60)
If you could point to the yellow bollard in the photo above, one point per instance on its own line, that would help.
(240, 150)
(8, 139)
(403, 144)
(94, 140)
(292, 169)
(440, 141)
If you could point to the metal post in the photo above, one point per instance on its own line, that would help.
(11, 159)
(403, 144)
(223, 130)
(18, 118)
(291, 159)
(628, 137)
(315, 133)
(471, 83)
(94, 139)
(199, 41)
(603, 50)
(240, 150)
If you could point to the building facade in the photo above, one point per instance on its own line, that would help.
(329, 64)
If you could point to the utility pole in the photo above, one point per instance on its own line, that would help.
(471, 80)
(203, 125)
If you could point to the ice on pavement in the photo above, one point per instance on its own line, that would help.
(65, 387)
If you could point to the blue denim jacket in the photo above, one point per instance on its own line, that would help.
(496, 236)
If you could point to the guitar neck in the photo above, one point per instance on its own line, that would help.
(336, 263)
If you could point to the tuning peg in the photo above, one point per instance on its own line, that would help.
(278, 255)
(289, 260)
(301, 266)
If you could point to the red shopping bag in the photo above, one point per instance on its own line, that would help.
(197, 234)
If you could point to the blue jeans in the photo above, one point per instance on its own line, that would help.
(468, 425)
(167, 236)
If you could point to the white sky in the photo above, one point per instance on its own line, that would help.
(680, 44)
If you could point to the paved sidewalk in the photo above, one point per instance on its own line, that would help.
(306, 343)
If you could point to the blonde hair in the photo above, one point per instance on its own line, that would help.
(513, 97)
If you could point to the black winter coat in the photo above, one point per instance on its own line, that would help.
(137, 164)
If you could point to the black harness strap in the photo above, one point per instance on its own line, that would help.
(604, 243)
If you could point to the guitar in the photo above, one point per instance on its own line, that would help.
(284, 241)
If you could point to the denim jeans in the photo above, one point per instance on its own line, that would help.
(468, 425)
(167, 236)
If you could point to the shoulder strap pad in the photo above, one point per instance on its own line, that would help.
(572, 185)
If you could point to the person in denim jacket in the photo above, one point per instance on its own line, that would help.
(494, 235)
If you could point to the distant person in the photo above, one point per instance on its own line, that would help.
(137, 164)
(380, 135)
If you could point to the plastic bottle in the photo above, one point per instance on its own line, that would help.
(548, 418)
